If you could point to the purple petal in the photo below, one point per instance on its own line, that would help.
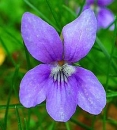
(86, 7)
(104, 2)
(91, 94)
(79, 36)
(61, 100)
(41, 39)
(33, 86)
(105, 17)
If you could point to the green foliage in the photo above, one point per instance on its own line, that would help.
(102, 60)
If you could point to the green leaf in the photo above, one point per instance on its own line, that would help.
(18, 118)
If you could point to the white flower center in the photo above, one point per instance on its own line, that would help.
(61, 73)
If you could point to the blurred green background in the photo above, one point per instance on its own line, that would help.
(15, 61)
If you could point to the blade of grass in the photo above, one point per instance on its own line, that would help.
(97, 66)
(69, 10)
(25, 122)
(15, 78)
(93, 122)
(48, 3)
(112, 94)
(107, 80)
(113, 122)
(67, 126)
(27, 58)
(51, 127)
(98, 49)
(41, 119)
(11, 35)
(104, 119)
(107, 55)
(41, 14)
(28, 120)
(102, 48)
(1, 126)
(9, 97)
(81, 7)
(80, 124)
(111, 54)
(12, 106)
(18, 118)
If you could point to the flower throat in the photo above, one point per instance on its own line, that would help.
(62, 71)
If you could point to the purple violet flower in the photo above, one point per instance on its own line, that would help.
(57, 81)
(104, 16)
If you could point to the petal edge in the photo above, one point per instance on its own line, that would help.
(41, 39)
(79, 36)
(32, 87)
(61, 101)
(91, 94)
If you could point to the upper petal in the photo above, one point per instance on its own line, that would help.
(91, 94)
(79, 36)
(41, 39)
(33, 86)
(61, 100)
(105, 17)
(104, 2)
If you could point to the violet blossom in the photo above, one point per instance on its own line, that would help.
(56, 80)
(104, 16)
